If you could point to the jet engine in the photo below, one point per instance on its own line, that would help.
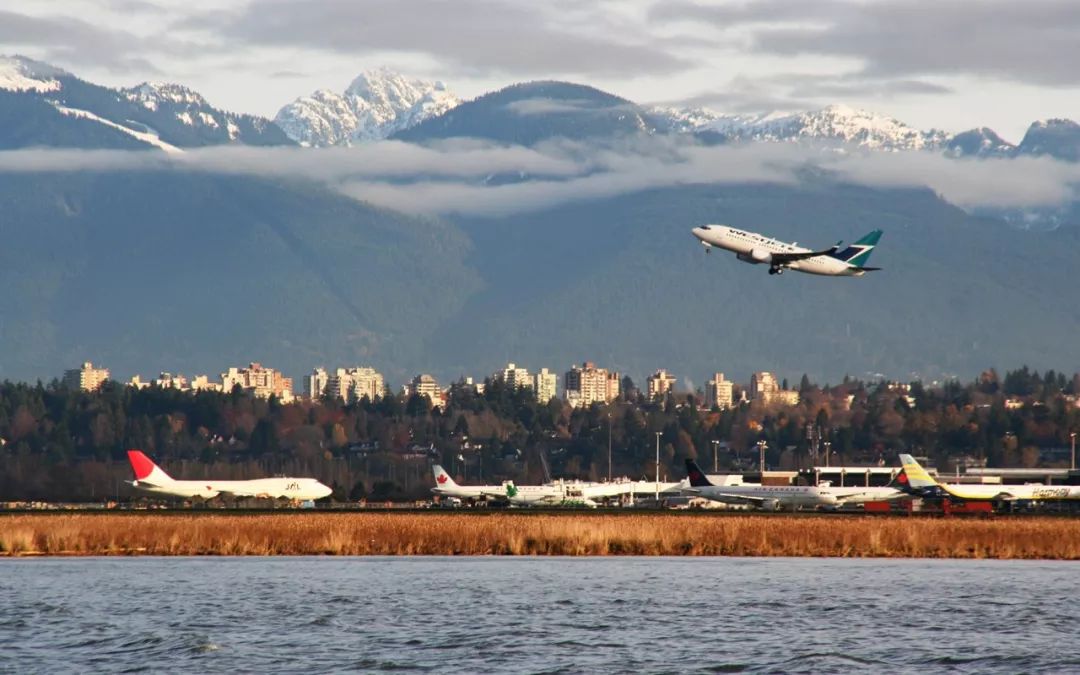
(755, 256)
(770, 504)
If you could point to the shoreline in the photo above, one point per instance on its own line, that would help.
(567, 534)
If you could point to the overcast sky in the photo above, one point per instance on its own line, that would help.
(950, 64)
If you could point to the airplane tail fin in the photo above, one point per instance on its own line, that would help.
(696, 475)
(145, 469)
(858, 254)
(442, 479)
(914, 476)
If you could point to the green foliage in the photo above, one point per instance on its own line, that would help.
(67, 445)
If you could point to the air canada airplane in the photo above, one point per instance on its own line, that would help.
(445, 486)
(757, 249)
(151, 478)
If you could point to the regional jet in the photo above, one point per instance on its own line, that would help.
(767, 497)
(445, 486)
(915, 479)
(757, 249)
(151, 478)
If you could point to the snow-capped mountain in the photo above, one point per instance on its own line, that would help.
(48, 106)
(981, 142)
(1059, 138)
(187, 107)
(838, 124)
(18, 73)
(376, 105)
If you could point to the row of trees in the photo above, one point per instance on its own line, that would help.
(60, 444)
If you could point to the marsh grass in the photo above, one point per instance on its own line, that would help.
(537, 534)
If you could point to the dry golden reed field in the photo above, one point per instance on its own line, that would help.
(537, 534)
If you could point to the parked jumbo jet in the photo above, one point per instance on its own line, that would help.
(758, 249)
(921, 484)
(151, 478)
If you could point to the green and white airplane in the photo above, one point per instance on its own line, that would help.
(757, 249)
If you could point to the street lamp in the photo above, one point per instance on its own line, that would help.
(827, 445)
(761, 445)
(715, 466)
(657, 484)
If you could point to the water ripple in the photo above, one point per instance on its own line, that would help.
(537, 615)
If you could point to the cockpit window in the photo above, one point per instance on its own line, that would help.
(706, 227)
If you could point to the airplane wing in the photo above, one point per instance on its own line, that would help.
(788, 258)
(243, 493)
(727, 496)
(876, 496)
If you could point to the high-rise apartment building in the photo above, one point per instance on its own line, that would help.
(763, 387)
(86, 378)
(514, 376)
(259, 380)
(355, 384)
(719, 392)
(425, 385)
(659, 384)
(587, 384)
(546, 385)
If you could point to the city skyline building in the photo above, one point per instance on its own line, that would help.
(763, 386)
(586, 384)
(546, 385)
(514, 376)
(86, 377)
(720, 392)
(425, 385)
(659, 384)
(259, 380)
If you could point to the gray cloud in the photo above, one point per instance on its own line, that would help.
(805, 91)
(72, 41)
(1037, 41)
(478, 35)
(451, 177)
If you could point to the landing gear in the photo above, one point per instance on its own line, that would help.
(776, 270)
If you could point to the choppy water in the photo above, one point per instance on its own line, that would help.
(537, 615)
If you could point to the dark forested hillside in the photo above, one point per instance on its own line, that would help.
(69, 445)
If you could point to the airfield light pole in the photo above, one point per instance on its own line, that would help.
(761, 445)
(1072, 463)
(609, 447)
(715, 447)
(827, 445)
(657, 484)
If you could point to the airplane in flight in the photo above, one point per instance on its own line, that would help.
(152, 478)
(920, 483)
(757, 249)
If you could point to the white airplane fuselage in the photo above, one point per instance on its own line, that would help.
(299, 489)
(767, 496)
(758, 249)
